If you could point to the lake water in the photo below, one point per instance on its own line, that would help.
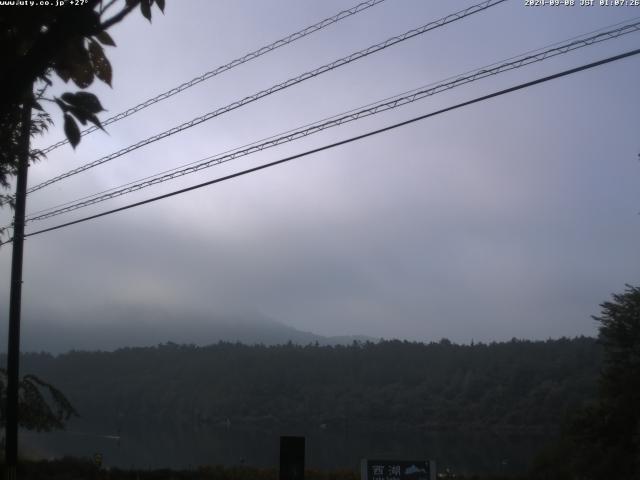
(149, 446)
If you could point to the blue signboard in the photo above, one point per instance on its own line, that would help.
(398, 470)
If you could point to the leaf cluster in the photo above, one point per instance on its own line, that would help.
(83, 106)
(41, 406)
(35, 44)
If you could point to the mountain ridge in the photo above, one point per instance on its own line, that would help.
(121, 327)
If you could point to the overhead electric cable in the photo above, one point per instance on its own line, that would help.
(148, 177)
(280, 86)
(232, 64)
(352, 115)
(343, 142)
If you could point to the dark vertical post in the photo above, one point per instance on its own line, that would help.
(291, 458)
(13, 351)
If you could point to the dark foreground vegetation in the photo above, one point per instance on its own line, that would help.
(82, 469)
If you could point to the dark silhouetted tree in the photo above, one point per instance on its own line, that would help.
(41, 41)
(606, 436)
(36, 43)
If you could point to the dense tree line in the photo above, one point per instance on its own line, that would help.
(517, 384)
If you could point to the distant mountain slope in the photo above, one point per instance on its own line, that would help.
(114, 328)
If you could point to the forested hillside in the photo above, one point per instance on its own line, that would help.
(516, 385)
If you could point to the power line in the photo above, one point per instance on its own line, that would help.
(581, 37)
(232, 64)
(343, 142)
(346, 117)
(280, 86)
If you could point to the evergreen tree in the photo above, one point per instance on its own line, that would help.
(607, 435)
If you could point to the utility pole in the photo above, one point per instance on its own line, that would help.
(13, 351)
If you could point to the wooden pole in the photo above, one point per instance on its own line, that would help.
(15, 299)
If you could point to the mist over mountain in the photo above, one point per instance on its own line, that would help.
(133, 326)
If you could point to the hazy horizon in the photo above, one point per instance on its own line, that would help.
(135, 326)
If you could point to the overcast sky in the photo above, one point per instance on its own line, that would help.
(515, 217)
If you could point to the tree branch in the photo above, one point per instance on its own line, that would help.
(118, 17)
(107, 6)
